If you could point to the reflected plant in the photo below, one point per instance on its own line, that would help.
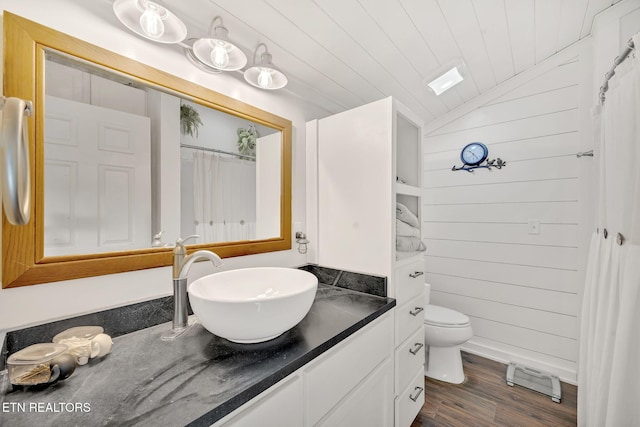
(247, 140)
(189, 120)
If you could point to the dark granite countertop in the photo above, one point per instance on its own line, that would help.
(195, 380)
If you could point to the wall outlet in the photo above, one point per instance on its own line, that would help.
(534, 226)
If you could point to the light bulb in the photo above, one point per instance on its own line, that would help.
(219, 55)
(151, 21)
(264, 78)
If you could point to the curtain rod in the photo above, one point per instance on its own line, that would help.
(215, 150)
(619, 59)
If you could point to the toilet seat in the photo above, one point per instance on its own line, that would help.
(435, 315)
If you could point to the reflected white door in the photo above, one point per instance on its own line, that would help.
(268, 185)
(97, 179)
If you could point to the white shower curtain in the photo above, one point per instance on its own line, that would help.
(224, 191)
(609, 366)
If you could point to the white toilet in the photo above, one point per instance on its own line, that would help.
(444, 331)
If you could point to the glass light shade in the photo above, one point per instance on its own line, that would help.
(217, 52)
(265, 75)
(150, 20)
(188, 52)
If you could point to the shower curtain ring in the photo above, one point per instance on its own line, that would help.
(620, 239)
(605, 233)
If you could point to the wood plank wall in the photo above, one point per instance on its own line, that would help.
(519, 289)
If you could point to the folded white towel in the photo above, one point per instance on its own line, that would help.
(409, 244)
(404, 229)
(405, 215)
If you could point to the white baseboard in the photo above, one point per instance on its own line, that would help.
(503, 355)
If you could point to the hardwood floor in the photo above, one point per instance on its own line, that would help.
(486, 400)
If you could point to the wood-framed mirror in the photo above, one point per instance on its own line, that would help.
(42, 251)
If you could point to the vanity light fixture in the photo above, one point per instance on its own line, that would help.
(212, 54)
(217, 51)
(150, 20)
(446, 81)
(264, 74)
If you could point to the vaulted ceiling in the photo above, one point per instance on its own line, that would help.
(340, 54)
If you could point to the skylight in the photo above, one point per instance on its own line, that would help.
(446, 81)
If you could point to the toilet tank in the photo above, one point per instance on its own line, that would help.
(427, 294)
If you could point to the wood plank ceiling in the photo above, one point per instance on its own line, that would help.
(339, 54)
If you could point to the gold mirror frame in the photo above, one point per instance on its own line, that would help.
(23, 260)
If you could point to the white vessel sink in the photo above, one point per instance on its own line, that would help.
(252, 305)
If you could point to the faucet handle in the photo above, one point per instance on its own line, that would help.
(180, 241)
(156, 242)
(179, 247)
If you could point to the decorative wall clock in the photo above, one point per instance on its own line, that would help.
(474, 154)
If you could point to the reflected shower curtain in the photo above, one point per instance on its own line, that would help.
(224, 198)
(609, 366)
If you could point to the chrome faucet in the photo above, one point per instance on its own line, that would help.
(181, 265)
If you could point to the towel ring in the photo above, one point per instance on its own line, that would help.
(14, 160)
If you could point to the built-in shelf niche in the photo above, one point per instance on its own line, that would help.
(411, 202)
(407, 153)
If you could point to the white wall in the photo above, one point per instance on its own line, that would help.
(95, 23)
(520, 290)
(219, 130)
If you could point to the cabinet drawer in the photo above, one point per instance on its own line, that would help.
(409, 317)
(409, 280)
(409, 359)
(332, 377)
(408, 404)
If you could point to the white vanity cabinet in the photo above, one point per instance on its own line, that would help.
(368, 159)
(279, 406)
(351, 384)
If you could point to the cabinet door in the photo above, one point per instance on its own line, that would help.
(279, 406)
(370, 404)
(330, 380)
(355, 210)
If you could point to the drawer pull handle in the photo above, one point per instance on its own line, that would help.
(416, 274)
(416, 348)
(415, 398)
(416, 311)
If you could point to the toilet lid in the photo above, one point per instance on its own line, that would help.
(441, 316)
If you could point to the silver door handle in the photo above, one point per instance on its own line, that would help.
(416, 348)
(416, 274)
(15, 163)
(415, 398)
(416, 311)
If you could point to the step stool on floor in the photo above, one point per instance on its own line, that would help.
(540, 381)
